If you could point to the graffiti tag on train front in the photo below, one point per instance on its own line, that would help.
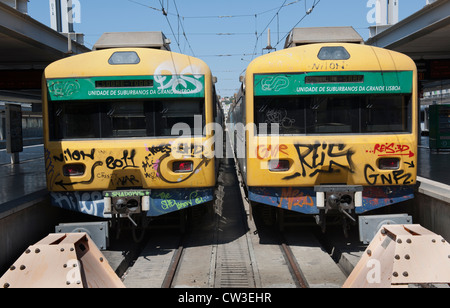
(387, 149)
(334, 157)
(393, 177)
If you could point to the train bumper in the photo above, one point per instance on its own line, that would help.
(156, 202)
(310, 200)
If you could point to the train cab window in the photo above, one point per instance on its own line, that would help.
(338, 114)
(170, 113)
(328, 115)
(74, 120)
(387, 113)
(122, 119)
(288, 112)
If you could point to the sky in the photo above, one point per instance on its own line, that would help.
(226, 34)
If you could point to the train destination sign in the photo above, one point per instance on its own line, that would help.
(333, 83)
(129, 87)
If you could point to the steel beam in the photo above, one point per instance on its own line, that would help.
(26, 29)
(432, 17)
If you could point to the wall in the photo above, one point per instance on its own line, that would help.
(432, 207)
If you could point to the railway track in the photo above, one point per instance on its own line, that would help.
(229, 248)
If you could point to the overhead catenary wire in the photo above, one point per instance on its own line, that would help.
(258, 36)
(180, 35)
(307, 12)
(182, 27)
(166, 13)
(180, 23)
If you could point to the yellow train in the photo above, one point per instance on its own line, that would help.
(328, 128)
(126, 132)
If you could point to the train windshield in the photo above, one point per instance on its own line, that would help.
(342, 114)
(122, 119)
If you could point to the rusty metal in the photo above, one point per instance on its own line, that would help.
(62, 260)
(167, 283)
(298, 276)
(400, 256)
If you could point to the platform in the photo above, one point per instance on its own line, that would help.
(433, 165)
(22, 179)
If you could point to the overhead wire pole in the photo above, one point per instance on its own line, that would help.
(258, 36)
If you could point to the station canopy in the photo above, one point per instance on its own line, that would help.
(425, 37)
(26, 48)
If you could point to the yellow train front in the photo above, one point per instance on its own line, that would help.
(126, 132)
(328, 128)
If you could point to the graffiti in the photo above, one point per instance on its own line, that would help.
(63, 89)
(164, 148)
(131, 179)
(168, 202)
(205, 161)
(122, 163)
(393, 177)
(279, 116)
(50, 167)
(314, 157)
(118, 180)
(152, 167)
(90, 203)
(74, 155)
(264, 151)
(193, 150)
(388, 149)
(295, 197)
(187, 82)
(328, 66)
(274, 84)
(410, 165)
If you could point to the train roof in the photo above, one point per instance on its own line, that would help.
(313, 35)
(143, 61)
(306, 59)
(151, 39)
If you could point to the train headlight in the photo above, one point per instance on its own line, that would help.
(391, 163)
(74, 169)
(333, 53)
(279, 165)
(183, 166)
(124, 57)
